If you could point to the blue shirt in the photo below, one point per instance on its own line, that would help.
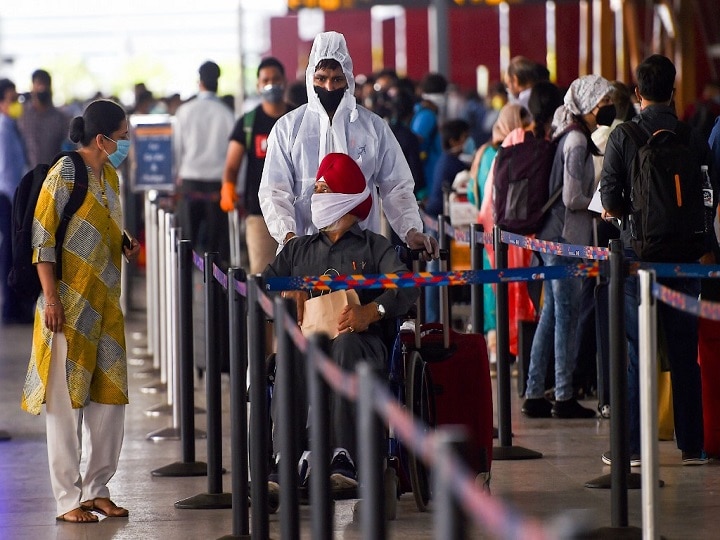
(12, 156)
(445, 171)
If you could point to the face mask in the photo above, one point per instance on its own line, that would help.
(15, 110)
(605, 115)
(44, 97)
(272, 93)
(330, 99)
(439, 100)
(119, 155)
(497, 103)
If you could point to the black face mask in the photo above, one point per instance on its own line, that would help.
(605, 115)
(330, 99)
(44, 97)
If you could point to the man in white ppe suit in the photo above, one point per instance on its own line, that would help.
(332, 121)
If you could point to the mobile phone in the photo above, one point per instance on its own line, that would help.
(126, 240)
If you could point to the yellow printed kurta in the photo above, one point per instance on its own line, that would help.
(96, 364)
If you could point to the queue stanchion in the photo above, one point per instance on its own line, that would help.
(170, 382)
(477, 293)
(370, 441)
(286, 364)
(322, 504)
(647, 338)
(238, 407)
(448, 519)
(506, 450)
(444, 312)
(620, 477)
(259, 416)
(214, 498)
(4, 435)
(188, 466)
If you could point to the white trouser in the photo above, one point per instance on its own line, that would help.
(103, 435)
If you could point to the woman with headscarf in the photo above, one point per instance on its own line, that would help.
(512, 116)
(567, 221)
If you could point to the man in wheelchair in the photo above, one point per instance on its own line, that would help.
(341, 201)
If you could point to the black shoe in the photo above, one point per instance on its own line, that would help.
(537, 408)
(634, 459)
(570, 408)
(343, 476)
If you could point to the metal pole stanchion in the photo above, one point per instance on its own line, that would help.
(139, 355)
(214, 498)
(444, 303)
(647, 328)
(620, 477)
(287, 419)
(477, 296)
(188, 466)
(238, 407)
(322, 504)
(448, 517)
(370, 440)
(259, 417)
(506, 450)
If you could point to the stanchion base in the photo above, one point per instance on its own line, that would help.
(154, 388)
(4, 436)
(147, 373)
(615, 533)
(230, 537)
(141, 352)
(161, 409)
(206, 501)
(506, 453)
(634, 481)
(182, 468)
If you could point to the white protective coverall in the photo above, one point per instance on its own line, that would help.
(301, 138)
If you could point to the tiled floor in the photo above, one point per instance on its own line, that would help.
(551, 489)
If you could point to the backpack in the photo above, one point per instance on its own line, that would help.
(521, 188)
(667, 220)
(23, 278)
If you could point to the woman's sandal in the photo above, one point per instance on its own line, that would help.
(107, 507)
(78, 515)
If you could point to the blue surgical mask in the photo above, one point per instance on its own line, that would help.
(119, 155)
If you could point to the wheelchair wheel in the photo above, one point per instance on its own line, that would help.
(420, 401)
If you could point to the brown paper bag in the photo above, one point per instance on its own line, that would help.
(322, 312)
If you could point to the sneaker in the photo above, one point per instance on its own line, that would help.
(634, 459)
(304, 470)
(570, 408)
(342, 471)
(604, 411)
(694, 458)
(537, 408)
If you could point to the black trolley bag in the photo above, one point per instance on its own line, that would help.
(459, 380)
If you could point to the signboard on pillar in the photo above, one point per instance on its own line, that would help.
(152, 151)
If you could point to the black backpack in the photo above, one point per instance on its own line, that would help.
(521, 188)
(667, 220)
(23, 278)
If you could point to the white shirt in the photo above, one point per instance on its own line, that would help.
(200, 137)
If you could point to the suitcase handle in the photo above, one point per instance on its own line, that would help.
(444, 297)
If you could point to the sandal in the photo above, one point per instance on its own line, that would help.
(106, 508)
(78, 515)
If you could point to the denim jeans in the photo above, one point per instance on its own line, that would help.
(681, 335)
(558, 321)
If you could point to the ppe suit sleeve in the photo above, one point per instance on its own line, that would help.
(276, 190)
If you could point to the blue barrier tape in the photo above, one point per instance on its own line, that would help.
(674, 270)
(689, 304)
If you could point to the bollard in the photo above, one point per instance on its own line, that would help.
(287, 418)
(259, 417)
(444, 312)
(506, 450)
(477, 293)
(448, 517)
(214, 498)
(322, 504)
(370, 435)
(238, 406)
(188, 466)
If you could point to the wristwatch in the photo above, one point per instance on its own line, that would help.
(380, 310)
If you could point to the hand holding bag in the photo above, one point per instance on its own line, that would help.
(322, 312)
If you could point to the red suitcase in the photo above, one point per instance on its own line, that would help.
(459, 374)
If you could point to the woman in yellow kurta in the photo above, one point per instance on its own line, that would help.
(78, 364)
